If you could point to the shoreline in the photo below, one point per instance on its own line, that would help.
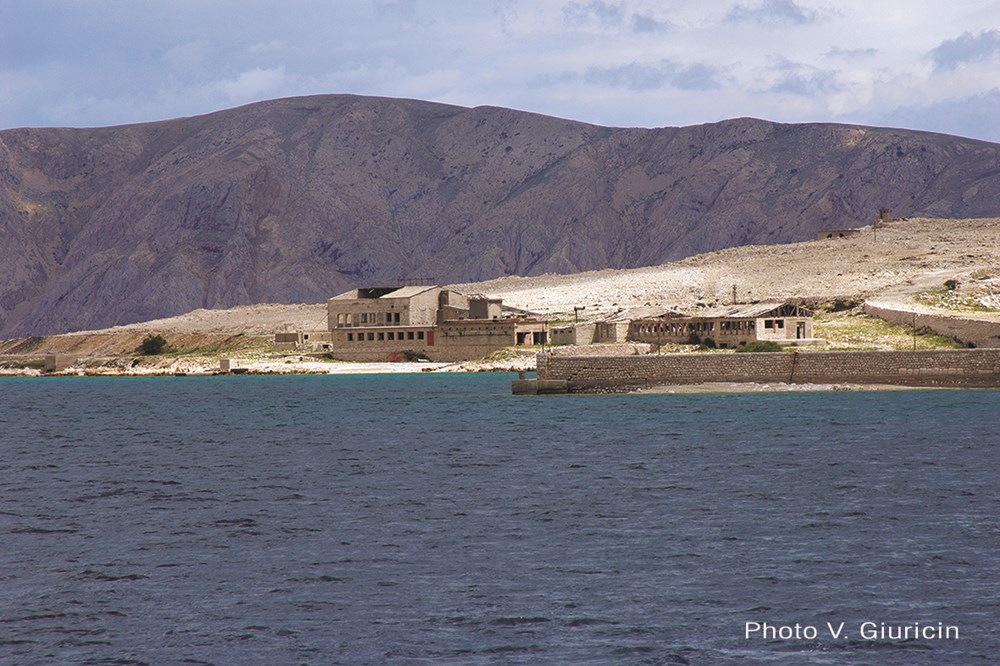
(188, 368)
(773, 387)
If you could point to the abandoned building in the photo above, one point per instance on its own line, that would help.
(823, 234)
(392, 323)
(728, 326)
(589, 332)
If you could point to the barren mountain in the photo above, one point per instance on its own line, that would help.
(297, 199)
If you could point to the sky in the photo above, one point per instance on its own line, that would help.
(916, 64)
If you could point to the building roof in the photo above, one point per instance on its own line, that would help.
(741, 310)
(410, 291)
(383, 292)
(738, 311)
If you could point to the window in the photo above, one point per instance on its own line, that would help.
(409, 335)
(350, 337)
(381, 336)
(396, 317)
(420, 335)
(371, 336)
(392, 336)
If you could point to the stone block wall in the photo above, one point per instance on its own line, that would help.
(953, 368)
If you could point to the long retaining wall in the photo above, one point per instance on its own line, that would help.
(980, 332)
(949, 368)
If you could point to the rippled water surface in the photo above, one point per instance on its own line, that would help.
(440, 520)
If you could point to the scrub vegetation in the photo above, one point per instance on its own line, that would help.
(852, 330)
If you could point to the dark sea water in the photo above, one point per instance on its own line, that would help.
(440, 520)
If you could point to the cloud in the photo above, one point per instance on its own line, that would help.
(771, 11)
(189, 54)
(800, 79)
(637, 76)
(595, 11)
(646, 23)
(966, 48)
(617, 62)
(273, 46)
(972, 116)
(253, 84)
(851, 54)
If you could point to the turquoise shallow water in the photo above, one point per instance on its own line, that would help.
(438, 519)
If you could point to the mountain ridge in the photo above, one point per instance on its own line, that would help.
(296, 199)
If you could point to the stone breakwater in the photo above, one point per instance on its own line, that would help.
(953, 368)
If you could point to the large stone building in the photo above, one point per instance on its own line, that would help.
(379, 324)
(729, 326)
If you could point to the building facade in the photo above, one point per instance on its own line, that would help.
(379, 324)
(728, 327)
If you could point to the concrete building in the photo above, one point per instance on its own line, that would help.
(589, 332)
(379, 324)
(729, 326)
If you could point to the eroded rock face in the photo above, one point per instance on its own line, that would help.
(297, 199)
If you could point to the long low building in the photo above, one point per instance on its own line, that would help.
(728, 326)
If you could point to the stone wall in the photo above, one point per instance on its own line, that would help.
(980, 332)
(953, 368)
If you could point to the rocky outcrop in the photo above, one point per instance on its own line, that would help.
(297, 199)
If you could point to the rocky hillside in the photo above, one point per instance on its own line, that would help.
(297, 199)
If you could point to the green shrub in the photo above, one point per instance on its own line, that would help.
(694, 339)
(759, 346)
(708, 343)
(951, 285)
(153, 344)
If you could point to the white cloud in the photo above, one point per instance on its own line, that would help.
(615, 62)
(253, 84)
(772, 11)
(966, 48)
(189, 55)
(963, 116)
(273, 46)
(594, 12)
(648, 23)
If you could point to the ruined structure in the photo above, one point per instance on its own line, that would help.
(823, 234)
(396, 323)
(728, 326)
(590, 332)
